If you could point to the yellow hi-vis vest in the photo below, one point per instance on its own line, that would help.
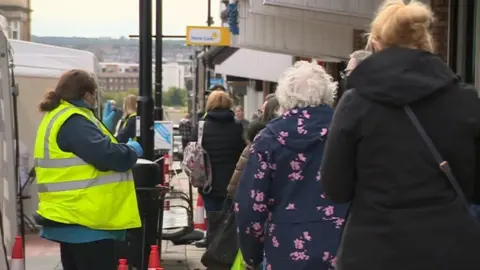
(124, 124)
(71, 191)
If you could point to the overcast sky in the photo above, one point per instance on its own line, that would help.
(113, 18)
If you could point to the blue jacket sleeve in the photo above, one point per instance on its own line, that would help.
(127, 132)
(251, 206)
(83, 138)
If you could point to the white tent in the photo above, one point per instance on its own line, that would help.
(37, 68)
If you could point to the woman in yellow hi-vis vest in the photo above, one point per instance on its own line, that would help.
(86, 191)
(126, 126)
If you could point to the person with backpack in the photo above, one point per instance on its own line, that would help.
(221, 138)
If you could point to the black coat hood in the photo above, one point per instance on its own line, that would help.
(400, 76)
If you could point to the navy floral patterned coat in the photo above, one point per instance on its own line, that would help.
(280, 204)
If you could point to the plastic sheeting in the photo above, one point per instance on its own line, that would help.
(8, 204)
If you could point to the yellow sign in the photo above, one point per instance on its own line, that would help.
(208, 36)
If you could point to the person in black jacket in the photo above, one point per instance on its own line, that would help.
(224, 142)
(404, 213)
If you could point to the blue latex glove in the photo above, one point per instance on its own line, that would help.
(108, 115)
(136, 147)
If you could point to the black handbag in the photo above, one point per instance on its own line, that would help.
(473, 210)
(223, 249)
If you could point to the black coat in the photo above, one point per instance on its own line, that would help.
(404, 212)
(224, 142)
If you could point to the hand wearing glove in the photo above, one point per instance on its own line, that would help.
(136, 147)
(108, 115)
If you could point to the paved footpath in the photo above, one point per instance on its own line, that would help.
(45, 255)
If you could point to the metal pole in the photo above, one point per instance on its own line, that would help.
(148, 202)
(194, 89)
(158, 112)
(145, 99)
(207, 66)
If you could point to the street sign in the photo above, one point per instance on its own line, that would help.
(208, 36)
(216, 81)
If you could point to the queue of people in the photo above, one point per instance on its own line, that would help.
(358, 177)
(343, 178)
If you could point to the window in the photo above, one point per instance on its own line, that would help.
(15, 29)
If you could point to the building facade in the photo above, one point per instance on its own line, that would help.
(125, 76)
(18, 15)
(118, 82)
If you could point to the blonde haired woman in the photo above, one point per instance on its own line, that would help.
(280, 205)
(126, 126)
(405, 213)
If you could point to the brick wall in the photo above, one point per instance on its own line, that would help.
(440, 29)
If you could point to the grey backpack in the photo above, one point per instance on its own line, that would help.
(196, 163)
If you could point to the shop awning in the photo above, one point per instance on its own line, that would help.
(256, 65)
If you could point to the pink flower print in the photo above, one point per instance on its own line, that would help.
(318, 176)
(301, 130)
(319, 208)
(295, 165)
(275, 242)
(290, 206)
(252, 193)
(299, 256)
(271, 201)
(236, 209)
(263, 165)
(269, 267)
(326, 256)
(323, 196)
(334, 262)
(298, 243)
(323, 132)
(295, 176)
(259, 175)
(300, 121)
(260, 158)
(271, 228)
(302, 157)
(306, 114)
(247, 231)
(283, 134)
(256, 226)
(272, 166)
(339, 222)
(281, 140)
(306, 236)
(294, 111)
(259, 207)
(328, 210)
(260, 197)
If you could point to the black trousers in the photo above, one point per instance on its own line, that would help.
(98, 255)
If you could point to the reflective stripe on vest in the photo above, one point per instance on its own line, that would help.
(49, 163)
(124, 124)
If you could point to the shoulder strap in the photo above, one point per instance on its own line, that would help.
(443, 164)
(201, 124)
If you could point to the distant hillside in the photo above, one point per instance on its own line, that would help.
(116, 49)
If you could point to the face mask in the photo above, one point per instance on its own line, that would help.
(91, 100)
